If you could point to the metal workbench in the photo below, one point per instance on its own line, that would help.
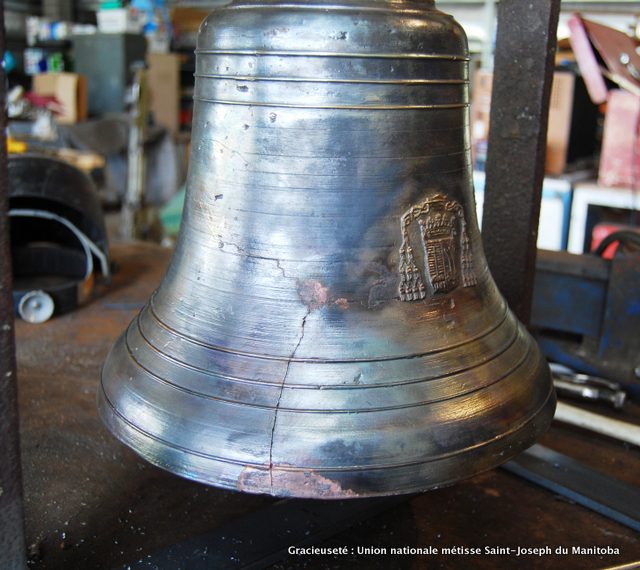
(92, 503)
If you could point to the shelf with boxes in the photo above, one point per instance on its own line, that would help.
(555, 209)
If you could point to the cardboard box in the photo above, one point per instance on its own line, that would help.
(119, 21)
(620, 156)
(559, 127)
(163, 77)
(480, 109)
(70, 89)
(186, 22)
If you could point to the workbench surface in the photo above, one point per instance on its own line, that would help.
(92, 503)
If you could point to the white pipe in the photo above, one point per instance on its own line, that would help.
(623, 431)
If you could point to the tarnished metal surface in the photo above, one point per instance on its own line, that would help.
(328, 326)
(12, 546)
(517, 145)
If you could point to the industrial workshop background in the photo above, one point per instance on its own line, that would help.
(320, 284)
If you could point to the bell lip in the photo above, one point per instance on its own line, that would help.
(504, 448)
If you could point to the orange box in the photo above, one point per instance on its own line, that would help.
(163, 77)
(70, 89)
(559, 127)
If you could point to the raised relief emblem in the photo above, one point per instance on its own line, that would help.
(435, 256)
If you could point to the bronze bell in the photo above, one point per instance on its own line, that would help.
(328, 326)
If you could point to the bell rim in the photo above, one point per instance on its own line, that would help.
(493, 453)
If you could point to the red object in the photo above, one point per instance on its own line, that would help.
(620, 157)
(601, 231)
(45, 102)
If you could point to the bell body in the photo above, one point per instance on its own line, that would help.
(328, 326)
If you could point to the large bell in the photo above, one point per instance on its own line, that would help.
(328, 326)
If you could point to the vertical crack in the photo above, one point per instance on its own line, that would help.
(284, 274)
(284, 379)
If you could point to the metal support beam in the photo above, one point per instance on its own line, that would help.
(525, 49)
(12, 542)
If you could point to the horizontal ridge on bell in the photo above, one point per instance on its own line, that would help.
(328, 326)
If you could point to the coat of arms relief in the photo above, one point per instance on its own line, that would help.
(435, 255)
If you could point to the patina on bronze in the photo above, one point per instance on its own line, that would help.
(328, 326)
